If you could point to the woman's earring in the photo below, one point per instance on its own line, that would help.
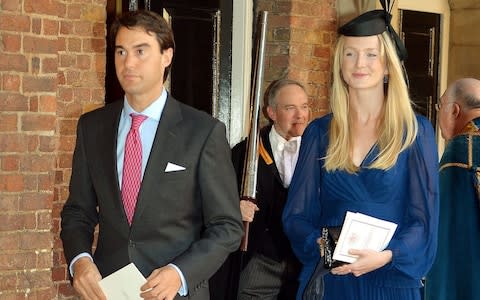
(385, 79)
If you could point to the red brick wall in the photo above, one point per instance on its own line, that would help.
(52, 66)
(301, 36)
(52, 69)
(81, 81)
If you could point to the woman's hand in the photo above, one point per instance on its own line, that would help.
(367, 261)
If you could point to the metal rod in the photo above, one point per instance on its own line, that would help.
(249, 180)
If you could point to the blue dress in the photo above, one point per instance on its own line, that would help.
(406, 194)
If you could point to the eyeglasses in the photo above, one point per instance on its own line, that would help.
(439, 105)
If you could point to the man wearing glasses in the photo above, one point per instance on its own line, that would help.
(454, 274)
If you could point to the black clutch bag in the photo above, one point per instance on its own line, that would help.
(315, 287)
(328, 242)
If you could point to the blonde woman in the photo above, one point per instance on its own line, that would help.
(371, 155)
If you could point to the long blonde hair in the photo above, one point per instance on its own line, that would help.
(398, 128)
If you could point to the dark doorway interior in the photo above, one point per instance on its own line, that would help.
(421, 34)
(113, 90)
(194, 65)
(201, 70)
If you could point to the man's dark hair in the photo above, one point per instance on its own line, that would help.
(152, 23)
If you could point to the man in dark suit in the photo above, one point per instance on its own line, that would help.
(183, 218)
(270, 268)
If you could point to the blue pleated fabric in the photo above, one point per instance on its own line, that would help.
(350, 287)
(406, 194)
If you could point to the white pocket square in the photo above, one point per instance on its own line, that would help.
(173, 168)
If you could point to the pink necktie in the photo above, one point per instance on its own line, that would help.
(132, 167)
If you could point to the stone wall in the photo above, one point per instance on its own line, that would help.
(464, 55)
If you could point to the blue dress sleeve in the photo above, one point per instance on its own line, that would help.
(414, 246)
(301, 214)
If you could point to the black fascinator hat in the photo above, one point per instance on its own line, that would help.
(375, 22)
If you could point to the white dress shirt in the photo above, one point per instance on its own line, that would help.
(285, 154)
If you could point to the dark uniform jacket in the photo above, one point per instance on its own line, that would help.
(266, 234)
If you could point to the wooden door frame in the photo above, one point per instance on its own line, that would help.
(442, 8)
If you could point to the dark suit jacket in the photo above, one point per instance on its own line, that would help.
(266, 234)
(190, 218)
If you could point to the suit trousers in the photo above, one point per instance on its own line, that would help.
(264, 278)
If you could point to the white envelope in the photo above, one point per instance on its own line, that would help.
(360, 231)
(171, 167)
(123, 284)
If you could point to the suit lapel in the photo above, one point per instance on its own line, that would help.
(164, 146)
(108, 142)
(264, 135)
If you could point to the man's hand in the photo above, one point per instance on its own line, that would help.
(162, 284)
(248, 209)
(85, 280)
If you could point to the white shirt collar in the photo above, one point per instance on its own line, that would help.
(153, 111)
(278, 142)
